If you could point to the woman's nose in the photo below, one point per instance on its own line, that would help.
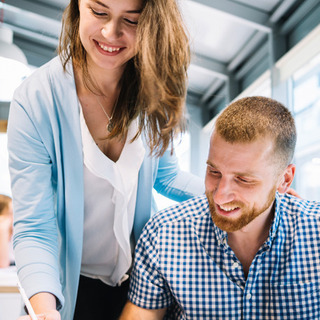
(111, 30)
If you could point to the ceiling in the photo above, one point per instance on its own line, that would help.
(233, 41)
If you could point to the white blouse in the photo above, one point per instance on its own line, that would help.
(110, 190)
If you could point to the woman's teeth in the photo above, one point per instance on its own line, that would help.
(109, 49)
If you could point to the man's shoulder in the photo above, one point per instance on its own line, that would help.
(299, 209)
(191, 209)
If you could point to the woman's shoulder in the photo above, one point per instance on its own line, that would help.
(48, 80)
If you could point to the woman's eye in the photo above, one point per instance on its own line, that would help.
(131, 21)
(100, 14)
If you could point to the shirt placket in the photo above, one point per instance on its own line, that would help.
(232, 266)
(234, 271)
(250, 302)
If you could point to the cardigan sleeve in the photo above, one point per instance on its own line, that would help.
(174, 183)
(35, 224)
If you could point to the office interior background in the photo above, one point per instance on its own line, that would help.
(239, 48)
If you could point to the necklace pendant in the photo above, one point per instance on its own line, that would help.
(110, 126)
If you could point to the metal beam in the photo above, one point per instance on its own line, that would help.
(259, 55)
(192, 98)
(247, 50)
(281, 10)
(221, 94)
(298, 15)
(244, 14)
(232, 89)
(258, 37)
(216, 67)
(36, 7)
(58, 4)
(215, 85)
(31, 21)
(34, 36)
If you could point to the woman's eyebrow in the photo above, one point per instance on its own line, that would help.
(107, 7)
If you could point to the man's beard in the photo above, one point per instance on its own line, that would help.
(230, 224)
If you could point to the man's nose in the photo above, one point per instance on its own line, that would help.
(224, 192)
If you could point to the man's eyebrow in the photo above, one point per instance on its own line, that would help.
(209, 163)
(244, 174)
(107, 7)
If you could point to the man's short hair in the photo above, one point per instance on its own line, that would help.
(250, 118)
(4, 202)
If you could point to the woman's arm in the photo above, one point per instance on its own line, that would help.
(174, 183)
(35, 222)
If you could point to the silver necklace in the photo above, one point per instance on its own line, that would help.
(109, 125)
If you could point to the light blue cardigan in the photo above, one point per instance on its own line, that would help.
(46, 167)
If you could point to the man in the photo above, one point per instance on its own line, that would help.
(246, 250)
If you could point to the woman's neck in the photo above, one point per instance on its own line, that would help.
(106, 80)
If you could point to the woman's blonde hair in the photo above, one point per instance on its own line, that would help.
(154, 83)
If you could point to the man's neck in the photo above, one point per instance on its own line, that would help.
(246, 242)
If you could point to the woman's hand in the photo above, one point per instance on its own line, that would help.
(44, 305)
(293, 193)
(49, 315)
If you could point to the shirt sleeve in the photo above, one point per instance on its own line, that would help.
(148, 289)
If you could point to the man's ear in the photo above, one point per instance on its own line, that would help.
(286, 178)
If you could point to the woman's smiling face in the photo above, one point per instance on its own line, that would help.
(107, 31)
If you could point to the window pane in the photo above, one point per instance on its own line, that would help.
(306, 109)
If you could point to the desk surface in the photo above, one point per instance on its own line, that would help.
(8, 280)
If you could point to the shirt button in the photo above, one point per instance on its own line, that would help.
(248, 296)
(235, 265)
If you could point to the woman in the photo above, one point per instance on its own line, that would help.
(88, 139)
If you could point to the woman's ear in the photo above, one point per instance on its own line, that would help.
(286, 178)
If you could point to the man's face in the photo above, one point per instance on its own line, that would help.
(241, 181)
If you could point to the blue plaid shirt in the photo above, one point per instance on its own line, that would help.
(183, 263)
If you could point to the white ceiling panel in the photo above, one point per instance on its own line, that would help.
(213, 33)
